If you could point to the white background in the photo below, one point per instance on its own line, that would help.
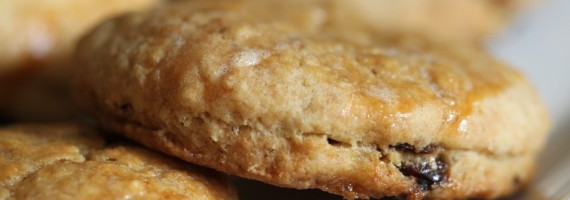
(538, 43)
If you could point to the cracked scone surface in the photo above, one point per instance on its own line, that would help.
(296, 104)
(67, 161)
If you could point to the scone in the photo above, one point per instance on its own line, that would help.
(36, 40)
(459, 20)
(35, 31)
(269, 98)
(69, 161)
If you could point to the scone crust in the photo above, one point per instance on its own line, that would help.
(70, 161)
(285, 102)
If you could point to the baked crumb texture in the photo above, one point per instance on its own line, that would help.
(316, 103)
(69, 161)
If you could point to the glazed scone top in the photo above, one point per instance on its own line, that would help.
(74, 162)
(241, 66)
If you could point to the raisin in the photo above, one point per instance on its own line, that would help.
(405, 147)
(428, 149)
(126, 107)
(426, 174)
(334, 142)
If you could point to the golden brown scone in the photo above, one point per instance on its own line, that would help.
(299, 105)
(68, 161)
(36, 40)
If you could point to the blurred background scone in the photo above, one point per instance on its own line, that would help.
(444, 20)
(39, 32)
(37, 38)
(70, 161)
